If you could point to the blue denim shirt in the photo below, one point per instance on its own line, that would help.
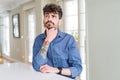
(63, 52)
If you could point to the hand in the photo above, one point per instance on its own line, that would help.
(51, 34)
(48, 69)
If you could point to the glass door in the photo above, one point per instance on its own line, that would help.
(31, 31)
(4, 35)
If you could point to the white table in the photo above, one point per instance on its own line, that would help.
(21, 71)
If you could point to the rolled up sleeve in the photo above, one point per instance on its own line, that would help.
(38, 59)
(74, 59)
(75, 71)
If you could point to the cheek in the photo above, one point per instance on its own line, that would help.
(44, 20)
(57, 22)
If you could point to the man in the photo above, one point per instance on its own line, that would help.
(55, 51)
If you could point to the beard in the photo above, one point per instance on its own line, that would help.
(49, 25)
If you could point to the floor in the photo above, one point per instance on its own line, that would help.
(5, 60)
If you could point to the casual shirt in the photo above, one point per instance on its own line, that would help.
(62, 52)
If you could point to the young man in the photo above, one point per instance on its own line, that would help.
(55, 51)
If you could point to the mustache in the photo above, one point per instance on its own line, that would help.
(50, 22)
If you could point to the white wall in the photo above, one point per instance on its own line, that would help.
(103, 40)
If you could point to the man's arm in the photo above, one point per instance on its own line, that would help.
(44, 49)
(39, 59)
(48, 69)
(39, 55)
(74, 58)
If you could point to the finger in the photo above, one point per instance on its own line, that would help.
(42, 67)
(52, 29)
(45, 70)
(46, 28)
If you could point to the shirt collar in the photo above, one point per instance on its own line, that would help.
(60, 33)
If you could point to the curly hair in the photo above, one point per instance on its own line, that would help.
(53, 8)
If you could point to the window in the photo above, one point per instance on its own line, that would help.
(4, 28)
(31, 32)
(71, 17)
(74, 22)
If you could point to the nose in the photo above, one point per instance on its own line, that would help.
(49, 18)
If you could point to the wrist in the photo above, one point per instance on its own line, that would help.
(46, 42)
(60, 70)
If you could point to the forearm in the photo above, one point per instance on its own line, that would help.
(44, 49)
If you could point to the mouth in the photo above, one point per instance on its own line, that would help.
(49, 25)
(49, 22)
(49, 28)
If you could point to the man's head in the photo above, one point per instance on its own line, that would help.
(52, 16)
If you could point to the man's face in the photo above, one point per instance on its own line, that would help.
(51, 20)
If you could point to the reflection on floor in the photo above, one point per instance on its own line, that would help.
(5, 60)
(1, 59)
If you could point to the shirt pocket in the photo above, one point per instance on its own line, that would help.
(60, 62)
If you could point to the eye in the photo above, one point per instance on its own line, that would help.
(46, 15)
(53, 16)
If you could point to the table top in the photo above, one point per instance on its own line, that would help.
(21, 71)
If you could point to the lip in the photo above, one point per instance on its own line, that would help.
(49, 22)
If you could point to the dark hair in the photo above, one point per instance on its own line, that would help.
(53, 8)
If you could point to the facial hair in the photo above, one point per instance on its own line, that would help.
(48, 24)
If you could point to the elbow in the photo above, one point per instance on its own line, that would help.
(80, 68)
(76, 71)
(38, 61)
(35, 67)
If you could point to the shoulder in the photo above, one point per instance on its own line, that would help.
(69, 36)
